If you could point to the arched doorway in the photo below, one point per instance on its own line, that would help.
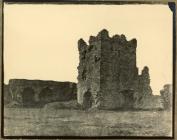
(128, 98)
(45, 95)
(28, 96)
(87, 100)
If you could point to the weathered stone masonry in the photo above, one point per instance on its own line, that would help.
(108, 76)
(32, 92)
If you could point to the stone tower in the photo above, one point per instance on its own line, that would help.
(108, 76)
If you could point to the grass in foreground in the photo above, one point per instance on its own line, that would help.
(65, 122)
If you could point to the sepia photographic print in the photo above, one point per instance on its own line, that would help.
(95, 69)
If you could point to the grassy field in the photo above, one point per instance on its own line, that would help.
(50, 122)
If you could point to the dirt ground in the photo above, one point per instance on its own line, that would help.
(65, 122)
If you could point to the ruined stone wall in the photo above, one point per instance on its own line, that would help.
(30, 92)
(7, 96)
(143, 91)
(110, 72)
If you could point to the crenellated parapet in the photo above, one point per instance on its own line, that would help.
(108, 72)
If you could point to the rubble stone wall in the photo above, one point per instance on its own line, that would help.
(35, 91)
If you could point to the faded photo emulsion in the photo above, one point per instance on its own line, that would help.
(88, 70)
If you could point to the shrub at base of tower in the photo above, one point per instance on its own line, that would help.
(166, 94)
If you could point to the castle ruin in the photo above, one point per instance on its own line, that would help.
(39, 92)
(108, 75)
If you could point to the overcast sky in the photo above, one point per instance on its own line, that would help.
(40, 41)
